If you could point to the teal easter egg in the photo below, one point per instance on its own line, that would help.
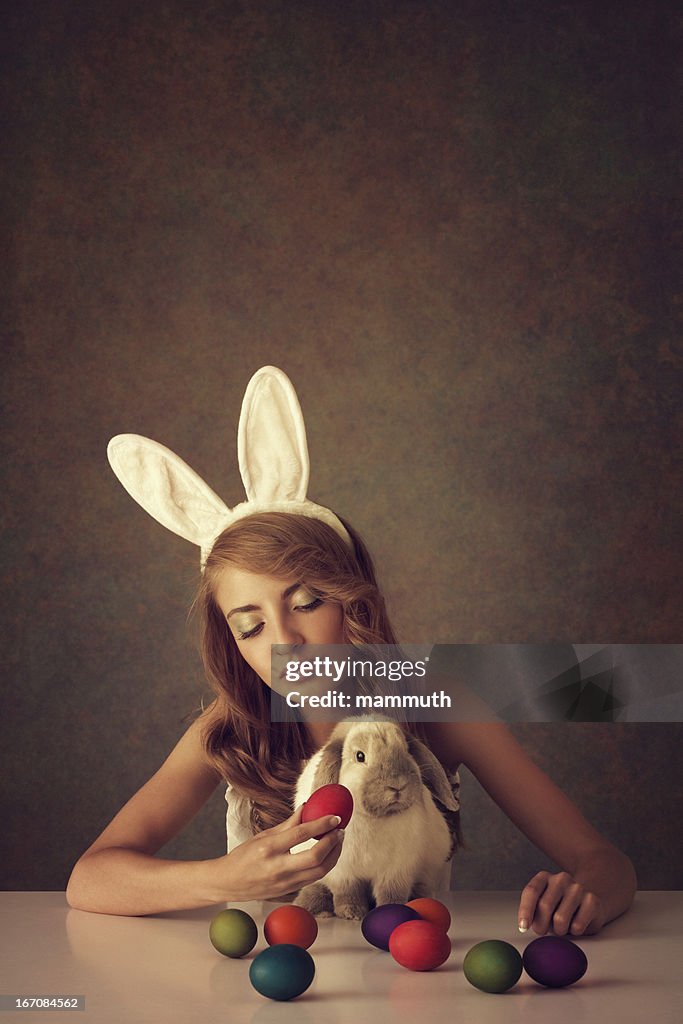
(282, 972)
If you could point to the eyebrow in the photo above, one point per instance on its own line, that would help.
(257, 607)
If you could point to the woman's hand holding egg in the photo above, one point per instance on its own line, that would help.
(264, 868)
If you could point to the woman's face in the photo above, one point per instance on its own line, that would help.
(261, 611)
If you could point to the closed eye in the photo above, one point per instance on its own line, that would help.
(252, 632)
(311, 606)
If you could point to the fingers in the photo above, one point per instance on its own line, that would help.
(587, 918)
(293, 819)
(559, 887)
(569, 902)
(556, 903)
(292, 832)
(320, 850)
(528, 902)
(291, 871)
(314, 863)
(308, 829)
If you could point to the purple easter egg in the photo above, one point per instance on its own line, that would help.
(379, 923)
(554, 961)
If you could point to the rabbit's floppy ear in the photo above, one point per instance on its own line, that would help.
(271, 439)
(433, 774)
(329, 764)
(167, 488)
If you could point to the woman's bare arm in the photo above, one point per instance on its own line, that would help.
(119, 874)
(597, 882)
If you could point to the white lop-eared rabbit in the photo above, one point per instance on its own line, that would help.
(398, 841)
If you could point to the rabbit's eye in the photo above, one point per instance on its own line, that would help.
(360, 756)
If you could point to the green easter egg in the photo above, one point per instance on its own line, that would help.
(492, 966)
(233, 933)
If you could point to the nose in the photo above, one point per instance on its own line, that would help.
(287, 632)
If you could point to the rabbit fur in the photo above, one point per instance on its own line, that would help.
(397, 841)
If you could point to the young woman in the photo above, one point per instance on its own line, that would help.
(281, 578)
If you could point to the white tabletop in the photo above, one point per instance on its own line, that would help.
(164, 969)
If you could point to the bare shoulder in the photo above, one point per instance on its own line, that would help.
(190, 746)
(188, 766)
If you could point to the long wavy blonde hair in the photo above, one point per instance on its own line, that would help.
(260, 758)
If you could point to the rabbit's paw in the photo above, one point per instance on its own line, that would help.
(316, 898)
(391, 894)
(352, 903)
(421, 889)
(352, 911)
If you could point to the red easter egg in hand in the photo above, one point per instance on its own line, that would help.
(332, 799)
(419, 945)
(432, 910)
(290, 924)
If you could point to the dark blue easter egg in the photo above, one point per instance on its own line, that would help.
(554, 961)
(282, 972)
(379, 923)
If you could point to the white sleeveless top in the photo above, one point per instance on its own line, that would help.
(237, 825)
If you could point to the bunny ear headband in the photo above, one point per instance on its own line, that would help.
(273, 461)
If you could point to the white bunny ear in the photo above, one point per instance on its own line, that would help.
(271, 439)
(167, 488)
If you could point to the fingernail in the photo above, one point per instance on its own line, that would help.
(335, 820)
(340, 834)
(523, 925)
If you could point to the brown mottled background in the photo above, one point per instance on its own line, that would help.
(450, 224)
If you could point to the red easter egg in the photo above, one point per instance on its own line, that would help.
(432, 910)
(419, 945)
(290, 924)
(332, 799)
